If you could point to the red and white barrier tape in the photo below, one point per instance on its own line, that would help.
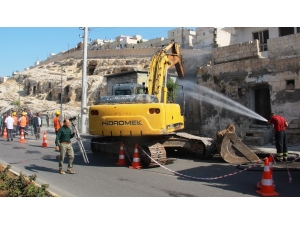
(199, 178)
(288, 170)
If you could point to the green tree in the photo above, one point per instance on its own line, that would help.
(16, 103)
(172, 90)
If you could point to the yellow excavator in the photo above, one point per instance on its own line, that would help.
(140, 114)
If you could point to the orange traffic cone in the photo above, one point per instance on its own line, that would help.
(4, 133)
(45, 144)
(121, 161)
(267, 185)
(136, 162)
(22, 139)
(258, 185)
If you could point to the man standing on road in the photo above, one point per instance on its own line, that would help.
(37, 123)
(22, 124)
(3, 123)
(47, 119)
(9, 122)
(57, 125)
(62, 140)
(1, 120)
(30, 121)
(15, 131)
(280, 126)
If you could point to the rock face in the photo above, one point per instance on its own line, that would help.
(42, 88)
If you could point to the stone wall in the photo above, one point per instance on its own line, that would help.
(284, 46)
(293, 132)
(120, 53)
(236, 52)
(236, 80)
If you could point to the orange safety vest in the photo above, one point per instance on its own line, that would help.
(15, 120)
(56, 123)
(23, 121)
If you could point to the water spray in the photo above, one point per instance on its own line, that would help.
(219, 100)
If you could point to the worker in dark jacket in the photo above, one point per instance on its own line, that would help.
(37, 124)
(63, 136)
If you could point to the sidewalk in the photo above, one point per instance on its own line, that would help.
(271, 149)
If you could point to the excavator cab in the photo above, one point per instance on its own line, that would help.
(231, 149)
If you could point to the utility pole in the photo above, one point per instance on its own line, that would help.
(61, 92)
(83, 95)
(19, 92)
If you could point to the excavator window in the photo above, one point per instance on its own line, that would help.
(122, 92)
(140, 91)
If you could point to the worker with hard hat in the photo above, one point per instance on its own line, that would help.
(22, 123)
(14, 116)
(57, 123)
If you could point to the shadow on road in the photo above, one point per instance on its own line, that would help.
(36, 168)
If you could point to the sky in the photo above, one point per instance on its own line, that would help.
(30, 32)
(21, 47)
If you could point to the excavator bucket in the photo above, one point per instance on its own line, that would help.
(232, 149)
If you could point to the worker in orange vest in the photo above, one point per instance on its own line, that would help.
(57, 123)
(22, 123)
(14, 116)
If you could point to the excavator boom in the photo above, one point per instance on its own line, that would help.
(159, 65)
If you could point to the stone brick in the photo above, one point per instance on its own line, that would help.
(295, 121)
(293, 126)
(259, 141)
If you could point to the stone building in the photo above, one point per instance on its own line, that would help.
(260, 75)
(183, 36)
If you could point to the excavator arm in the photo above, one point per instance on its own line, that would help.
(159, 65)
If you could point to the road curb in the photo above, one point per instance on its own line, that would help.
(35, 183)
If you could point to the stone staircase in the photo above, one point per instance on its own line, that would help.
(258, 136)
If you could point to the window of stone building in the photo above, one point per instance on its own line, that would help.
(262, 37)
(298, 29)
(172, 34)
(283, 31)
(290, 85)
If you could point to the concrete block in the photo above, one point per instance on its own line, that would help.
(293, 126)
(259, 141)
(295, 121)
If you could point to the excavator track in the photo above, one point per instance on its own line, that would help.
(156, 152)
(110, 147)
(203, 147)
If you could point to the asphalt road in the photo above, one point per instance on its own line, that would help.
(103, 178)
